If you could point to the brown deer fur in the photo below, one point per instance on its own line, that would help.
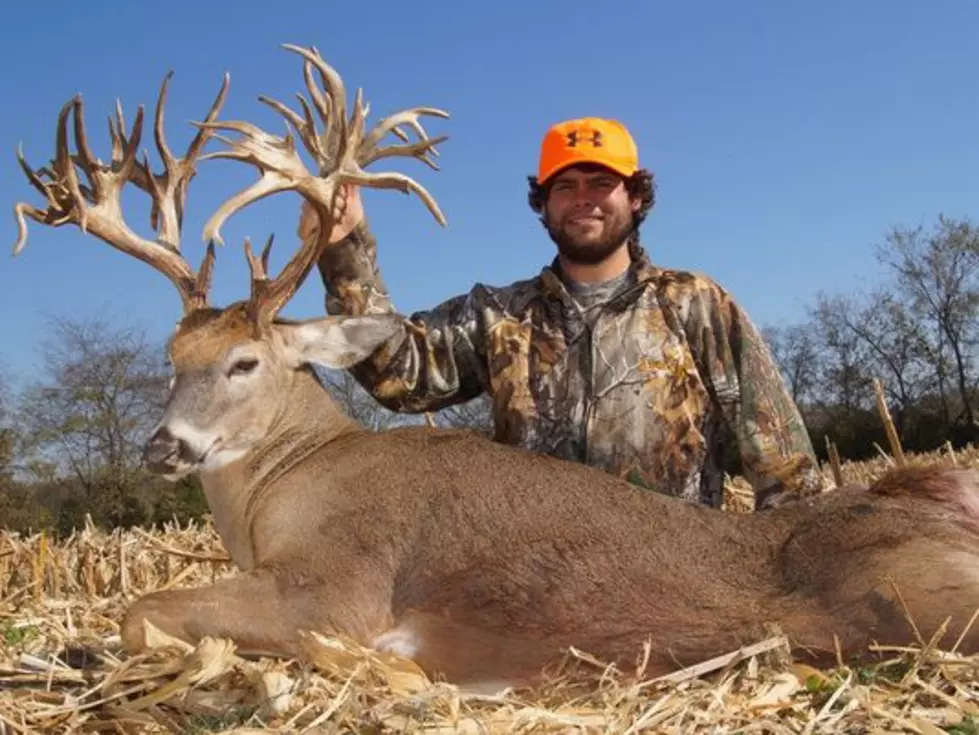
(484, 562)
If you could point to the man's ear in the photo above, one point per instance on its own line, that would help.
(338, 341)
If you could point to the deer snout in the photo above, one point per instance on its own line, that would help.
(165, 452)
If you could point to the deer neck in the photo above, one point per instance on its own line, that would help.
(310, 420)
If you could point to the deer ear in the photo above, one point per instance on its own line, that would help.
(338, 341)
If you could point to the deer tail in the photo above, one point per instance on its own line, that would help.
(955, 488)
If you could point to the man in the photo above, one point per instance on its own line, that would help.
(602, 358)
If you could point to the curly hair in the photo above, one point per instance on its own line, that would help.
(641, 184)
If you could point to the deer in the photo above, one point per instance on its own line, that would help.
(482, 563)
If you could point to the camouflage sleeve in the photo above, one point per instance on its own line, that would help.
(437, 360)
(776, 452)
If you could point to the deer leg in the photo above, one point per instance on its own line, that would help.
(891, 596)
(476, 659)
(262, 611)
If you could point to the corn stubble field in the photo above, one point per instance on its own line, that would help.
(61, 670)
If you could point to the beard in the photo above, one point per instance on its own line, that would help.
(583, 250)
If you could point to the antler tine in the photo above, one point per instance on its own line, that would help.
(358, 118)
(322, 103)
(202, 284)
(304, 128)
(86, 158)
(334, 112)
(200, 140)
(267, 252)
(269, 296)
(392, 123)
(96, 208)
(419, 150)
(124, 147)
(340, 150)
(369, 152)
(330, 104)
(117, 133)
(259, 268)
(402, 183)
(258, 265)
(169, 189)
(22, 210)
(64, 165)
(322, 155)
(275, 157)
(169, 162)
(35, 176)
(298, 123)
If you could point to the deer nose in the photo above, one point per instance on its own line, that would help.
(164, 450)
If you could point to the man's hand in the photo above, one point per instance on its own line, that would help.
(348, 212)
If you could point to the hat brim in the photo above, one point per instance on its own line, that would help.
(623, 169)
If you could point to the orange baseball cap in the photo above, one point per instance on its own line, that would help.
(587, 140)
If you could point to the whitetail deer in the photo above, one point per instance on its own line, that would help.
(480, 561)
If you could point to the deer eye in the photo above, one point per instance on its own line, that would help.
(242, 366)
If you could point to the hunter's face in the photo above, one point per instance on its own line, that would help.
(588, 213)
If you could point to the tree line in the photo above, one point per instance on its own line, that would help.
(71, 438)
(915, 330)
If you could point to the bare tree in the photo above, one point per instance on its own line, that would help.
(890, 338)
(358, 404)
(939, 270)
(796, 352)
(100, 389)
(844, 380)
(8, 432)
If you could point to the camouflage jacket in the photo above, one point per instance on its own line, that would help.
(643, 392)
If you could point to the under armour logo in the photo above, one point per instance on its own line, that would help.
(594, 137)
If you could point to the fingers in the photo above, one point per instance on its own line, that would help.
(347, 208)
(347, 212)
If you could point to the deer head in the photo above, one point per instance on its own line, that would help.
(234, 366)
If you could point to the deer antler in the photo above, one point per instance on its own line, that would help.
(341, 152)
(96, 207)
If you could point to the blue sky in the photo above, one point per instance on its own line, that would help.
(786, 137)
